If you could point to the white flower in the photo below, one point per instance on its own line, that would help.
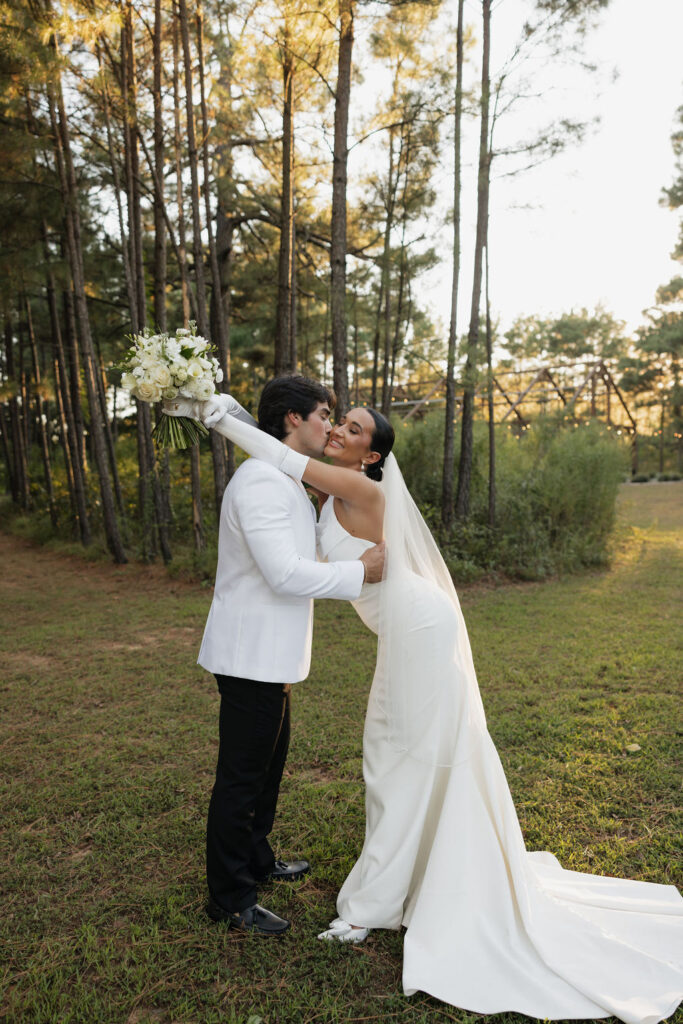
(204, 390)
(128, 381)
(182, 332)
(178, 372)
(161, 375)
(151, 347)
(138, 372)
(190, 387)
(195, 370)
(147, 391)
(169, 392)
(219, 375)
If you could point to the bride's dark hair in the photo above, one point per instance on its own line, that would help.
(382, 441)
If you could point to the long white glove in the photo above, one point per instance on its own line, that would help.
(216, 413)
(254, 441)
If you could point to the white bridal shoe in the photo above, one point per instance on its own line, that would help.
(342, 931)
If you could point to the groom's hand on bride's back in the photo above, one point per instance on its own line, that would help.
(373, 560)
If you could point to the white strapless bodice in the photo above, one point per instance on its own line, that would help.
(335, 544)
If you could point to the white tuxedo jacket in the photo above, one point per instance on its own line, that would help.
(261, 619)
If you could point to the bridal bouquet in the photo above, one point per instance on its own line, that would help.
(163, 366)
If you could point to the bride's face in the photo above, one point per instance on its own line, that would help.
(350, 443)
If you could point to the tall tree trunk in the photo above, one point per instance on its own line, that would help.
(217, 309)
(462, 497)
(197, 513)
(293, 354)
(218, 454)
(74, 362)
(69, 189)
(42, 415)
(283, 316)
(202, 321)
(375, 342)
(338, 229)
(69, 467)
(159, 223)
(220, 338)
(185, 286)
(113, 163)
(182, 250)
(10, 481)
(224, 252)
(392, 182)
(403, 278)
(356, 375)
(165, 515)
(449, 431)
(489, 395)
(23, 388)
(153, 507)
(138, 300)
(19, 461)
(148, 484)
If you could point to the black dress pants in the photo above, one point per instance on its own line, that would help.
(253, 744)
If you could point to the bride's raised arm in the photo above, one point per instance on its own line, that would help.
(347, 484)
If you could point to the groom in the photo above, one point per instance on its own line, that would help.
(257, 641)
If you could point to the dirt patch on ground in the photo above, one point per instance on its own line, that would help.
(27, 566)
(22, 661)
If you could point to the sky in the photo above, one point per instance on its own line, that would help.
(586, 227)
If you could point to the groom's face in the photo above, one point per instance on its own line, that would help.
(313, 432)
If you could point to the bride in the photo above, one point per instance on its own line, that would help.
(490, 926)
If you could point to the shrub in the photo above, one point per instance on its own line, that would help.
(556, 490)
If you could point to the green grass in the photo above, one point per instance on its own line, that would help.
(108, 733)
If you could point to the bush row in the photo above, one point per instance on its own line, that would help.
(556, 489)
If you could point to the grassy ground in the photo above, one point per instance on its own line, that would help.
(108, 738)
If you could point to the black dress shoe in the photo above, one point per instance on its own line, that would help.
(287, 871)
(253, 919)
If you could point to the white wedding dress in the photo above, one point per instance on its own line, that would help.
(490, 926)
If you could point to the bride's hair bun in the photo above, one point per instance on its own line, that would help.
(382, 441)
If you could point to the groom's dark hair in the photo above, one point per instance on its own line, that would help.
(290, 393)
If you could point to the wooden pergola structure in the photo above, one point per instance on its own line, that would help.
(519, 395)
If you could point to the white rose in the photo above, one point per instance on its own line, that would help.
(169, 392)
(148, 391)
(191, 387)
(162, 376)
(204, 390)
(179, 372)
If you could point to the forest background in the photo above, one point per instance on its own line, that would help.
(177, 160)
